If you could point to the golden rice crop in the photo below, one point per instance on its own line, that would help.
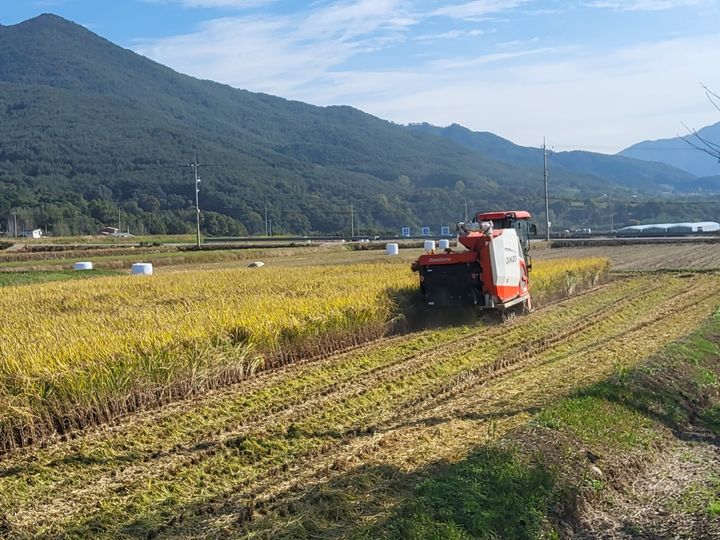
(84, 352)
(558, 278)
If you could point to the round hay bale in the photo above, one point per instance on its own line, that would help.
(142, 269)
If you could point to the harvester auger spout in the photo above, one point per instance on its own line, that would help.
(492, 273)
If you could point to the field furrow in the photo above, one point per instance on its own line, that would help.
(678, 256)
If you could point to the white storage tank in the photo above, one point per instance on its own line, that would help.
(83, 266)
(429, 245)
(142, 269)
(392, 249)
(444, 244)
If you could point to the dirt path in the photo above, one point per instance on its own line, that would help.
(204, 467)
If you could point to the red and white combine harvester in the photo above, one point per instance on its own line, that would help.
(491, 274)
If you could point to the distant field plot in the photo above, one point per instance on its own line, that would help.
(26, 278)
(645, 257)
(122, 257)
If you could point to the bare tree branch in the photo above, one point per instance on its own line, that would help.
(712, 97)
(708, 147)
(696, 147)
(708, 151)
(708, 144)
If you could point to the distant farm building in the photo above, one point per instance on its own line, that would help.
(32, 233)
(670, 229)
(109, 231)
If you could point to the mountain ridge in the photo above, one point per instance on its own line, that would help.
(630, 172)
(677, 152)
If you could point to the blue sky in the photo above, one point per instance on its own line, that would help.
(593, 74)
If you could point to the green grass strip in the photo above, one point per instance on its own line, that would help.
(8, 279)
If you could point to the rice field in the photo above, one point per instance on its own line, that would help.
(86, 352)
(328, 448)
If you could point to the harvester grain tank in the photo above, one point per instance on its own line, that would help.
(492, 273)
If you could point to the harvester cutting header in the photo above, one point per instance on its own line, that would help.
(493, 273)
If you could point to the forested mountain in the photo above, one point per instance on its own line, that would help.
(680, 154)
(90, 128)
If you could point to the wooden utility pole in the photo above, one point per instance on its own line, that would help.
(547, 202)
(195, 166)
(267, 228)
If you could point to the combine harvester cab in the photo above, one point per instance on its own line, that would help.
(491, 274)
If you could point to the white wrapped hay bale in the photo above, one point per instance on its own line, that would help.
(142, 269)
(392, 249)
(83, 266)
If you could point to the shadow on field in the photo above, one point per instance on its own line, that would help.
(413, 315)
(680, 389)
(491, 494)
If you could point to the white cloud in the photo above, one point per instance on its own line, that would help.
(477, 8)
(644, 5)
(601, 99)
(464, 63)
(517, 43)
(602, 102)
(451, 34)
(237, 4)
(280, 54)
(359, 17)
